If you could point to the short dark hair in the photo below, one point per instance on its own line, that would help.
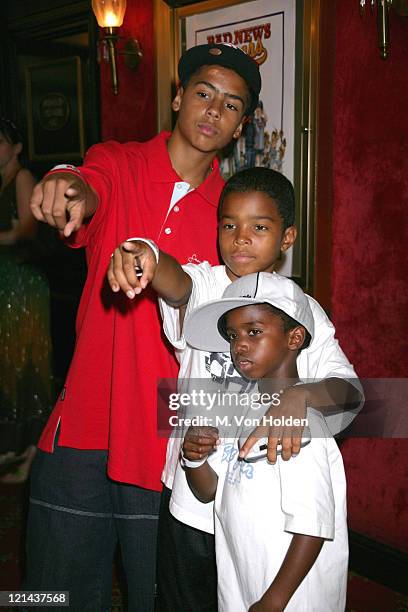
(272, 183)
(290, 323)
(10, 131)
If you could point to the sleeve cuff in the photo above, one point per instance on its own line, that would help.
(309, 526)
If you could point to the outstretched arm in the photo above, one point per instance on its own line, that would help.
(166, 275)
(300, 557)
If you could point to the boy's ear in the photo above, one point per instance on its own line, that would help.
(296, 338)
(289, 237)
(238, 130)
(175, 105)
(18, 148)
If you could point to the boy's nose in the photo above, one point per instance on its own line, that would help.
(240, 347)
(241, 238)
(214, 109)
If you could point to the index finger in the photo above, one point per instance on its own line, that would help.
(148, 268)
(259, 432)
(75, 221)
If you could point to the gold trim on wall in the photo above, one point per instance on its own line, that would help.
(309, 133)
(165, 70)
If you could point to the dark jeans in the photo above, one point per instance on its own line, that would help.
(186, 567)
(76, 517)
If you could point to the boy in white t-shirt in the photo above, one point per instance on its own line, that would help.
(280, 529)
(256, 226)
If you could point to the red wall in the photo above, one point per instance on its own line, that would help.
(369, 257)
(131, 115)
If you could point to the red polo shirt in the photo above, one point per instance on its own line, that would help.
(109, 400)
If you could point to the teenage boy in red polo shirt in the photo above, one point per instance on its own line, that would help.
(96, 479)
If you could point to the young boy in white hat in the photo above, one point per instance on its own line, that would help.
(280, 529)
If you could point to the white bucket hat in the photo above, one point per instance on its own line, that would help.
(201, 326)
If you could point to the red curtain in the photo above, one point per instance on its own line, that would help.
(369, 259)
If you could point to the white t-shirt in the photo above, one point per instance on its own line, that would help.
(322, 359)
(259, 506)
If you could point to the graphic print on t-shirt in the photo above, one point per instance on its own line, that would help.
(222, 371)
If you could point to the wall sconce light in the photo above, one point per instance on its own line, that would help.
(383, 8)
(109, 15)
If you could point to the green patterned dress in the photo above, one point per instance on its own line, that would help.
(25, 342)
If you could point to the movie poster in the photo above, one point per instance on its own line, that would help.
(266, 30)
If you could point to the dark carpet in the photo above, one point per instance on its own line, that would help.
(363, 594)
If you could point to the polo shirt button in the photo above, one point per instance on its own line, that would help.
(176, 209)
(167, 230)
(179, 185)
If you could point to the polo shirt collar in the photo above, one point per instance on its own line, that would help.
(161, 171)
(158, 160)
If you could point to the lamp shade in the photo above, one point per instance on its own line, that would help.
(109, 13)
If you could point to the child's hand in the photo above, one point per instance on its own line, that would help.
(122, 268)
(199, 442)
(293, 403)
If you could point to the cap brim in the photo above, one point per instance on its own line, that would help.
(201, 325)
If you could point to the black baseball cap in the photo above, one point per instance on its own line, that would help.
(227, 56)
